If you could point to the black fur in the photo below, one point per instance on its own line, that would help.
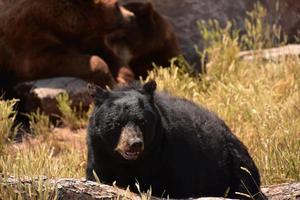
(189, 151)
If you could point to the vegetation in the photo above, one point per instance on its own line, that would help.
(72, 117)
(7, 120)
(260, 103)
(39, 123)
(258, 99)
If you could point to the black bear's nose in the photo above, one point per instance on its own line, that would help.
(136, 144)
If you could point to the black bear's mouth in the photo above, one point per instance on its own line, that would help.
(130, 155)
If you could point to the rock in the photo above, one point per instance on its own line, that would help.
(42, 94)
(184, 14)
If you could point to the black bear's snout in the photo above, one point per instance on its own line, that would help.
(131, 143)
(136, 144)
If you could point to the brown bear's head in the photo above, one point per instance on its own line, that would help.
(149, 33)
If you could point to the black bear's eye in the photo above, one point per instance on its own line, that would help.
(117, 123)
(141, 121)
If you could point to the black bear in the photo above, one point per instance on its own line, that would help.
(150, 40)
(168, 144)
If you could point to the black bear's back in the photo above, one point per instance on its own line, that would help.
(195, 147)
(183, 115)
(199, 146)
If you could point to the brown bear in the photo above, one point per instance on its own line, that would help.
(150, 40)
(48, 38)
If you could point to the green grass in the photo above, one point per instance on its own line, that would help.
(72, 117)
(39, 123)
(259, 100)
(7, 118)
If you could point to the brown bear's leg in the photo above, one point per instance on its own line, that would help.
(125, 76)
(119, 69)
(64, 63)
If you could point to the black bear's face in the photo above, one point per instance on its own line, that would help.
(125, 121)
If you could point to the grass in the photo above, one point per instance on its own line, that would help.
(27, 190)
(39, 123)
(260, 103)
(259, 100)
(72, 117)
(62, 154)
(7, 118)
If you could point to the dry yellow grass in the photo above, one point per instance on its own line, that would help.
(260, 103)
(61, 153)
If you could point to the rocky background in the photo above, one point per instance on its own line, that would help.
(184, 14)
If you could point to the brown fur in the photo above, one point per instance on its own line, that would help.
(127, 136)
(150, 40)
(48, 38)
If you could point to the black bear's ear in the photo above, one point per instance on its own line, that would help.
(149, 87)
(98, 94)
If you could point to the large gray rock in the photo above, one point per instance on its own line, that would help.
(42, 94)
(184, 14)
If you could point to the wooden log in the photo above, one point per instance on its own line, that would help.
(286, 191)
(271, 54)
(74, 189)
(71, 189)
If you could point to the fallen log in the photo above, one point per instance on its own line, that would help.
(271, 54)
(74, 189)
(286, 191)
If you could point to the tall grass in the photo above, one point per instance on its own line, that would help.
(8, 128)
(42, 159)
(260, 103)
(55, 156)
(39, 123)
(72, 117)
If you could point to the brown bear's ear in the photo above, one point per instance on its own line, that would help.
(98, 94)
(149, 87)
(146, 9)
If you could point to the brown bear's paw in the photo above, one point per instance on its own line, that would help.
(125, 76)
(101, 71)
(98, 65)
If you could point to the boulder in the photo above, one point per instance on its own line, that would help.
(42, 94)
